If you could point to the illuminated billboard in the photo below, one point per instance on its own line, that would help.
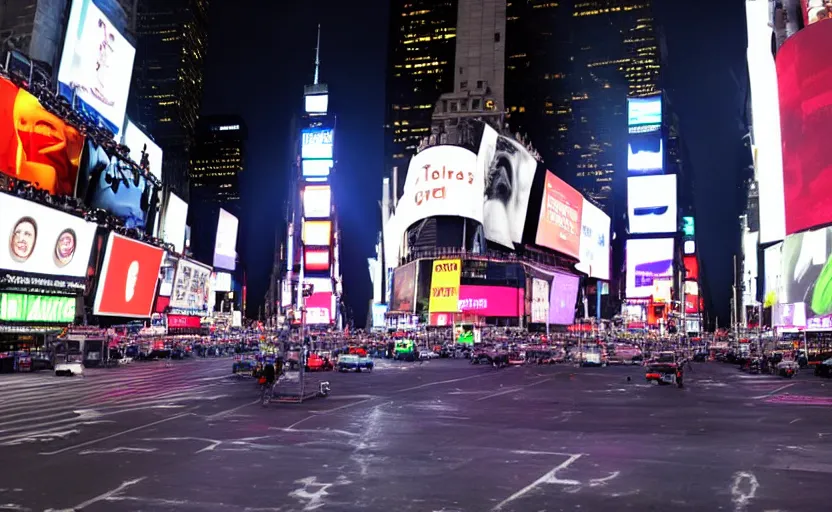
(444, 286)
(509, 170)
(225, 246)
(176, 219)
(648, 260)
(804, 78)
(221, 282)
(691, 267)
(138, 142)
(404, 288)
(316, 103)
(96, 65)
(645, 153)
(642, 112)
(559, 225)
(806, 273)
(563, 298)
(191, 286)
(316, 168)
(441, 180)
(491, 301)
(316, 260)
(595, 242)
(319, 305)
(540, 301)
(317, 232)
(19, 307)
(317, 201)
(765, 126)
(317, 143)
(773, 272)
(38, 146)
(651, 204)
(128, 277)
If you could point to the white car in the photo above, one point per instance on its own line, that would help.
(72, 365)
(428, 354)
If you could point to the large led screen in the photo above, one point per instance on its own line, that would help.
(807, 271)
(317, 232)
(35, 145)
(316, 168)
(316, 143)
(139, 143)
(648, 260)
(691, 267)
(441, 180)
(563, 298)
(595, 242)
(804, 76)
(540, 300)
(493, 301)
(191, 286)
(765, 126)
(559, 226)
(645, 153)
(316, 260)
(317, 201)
(221, 282)
(96, 65)
(404, 288)
(316, 103)
(379, 315)
(225, 248)
(319, 304)
(19, 307)
(773, 271)
(651, 204)
(509, 171)
(644, 111)
(176, 218)
(42, 240)
(127, 281)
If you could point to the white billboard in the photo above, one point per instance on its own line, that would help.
(317, 201)
(317, 232)
(316, 103)
(749, 268)
(138, 141)
(651, 204)
(648, 260)
(97, 64)
(191, 286)
(540, 300)
(765, 126)
(42, 240)
(595, 242)
(442, 180)
(773, 269)
(316, 168)
(176, 218)
(225, 247)
(317, 143)
(221, 282)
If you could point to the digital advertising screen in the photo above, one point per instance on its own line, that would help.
(379, 312)
(773, 272)
(41, 240)
(804, 76)
(176, 219)
(317, 143)
(319, 304)
(317, 201)
(807, 272)
(20, 307)
(184, 322)
(595, 242)
(651, 204)
(540, 300)
(444, 286)
(509, 170)
(96, 65)
(441, 180)
(316, 260)
(221, 282)
(35, 145)
(404, 288)
(166, 275)
(225, 247)
(316, 168)
(127, 281)
(316, 103)
(765, 122)
(493, 301)
(644, 111)
(191, 286)
(139, 142)
(317, 232)
(689, 247)
(789, 315)
(645, 153)
(563, 298)
(559, 226)
(691, 267)
(648, 260)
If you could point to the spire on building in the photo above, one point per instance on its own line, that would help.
(318, 55)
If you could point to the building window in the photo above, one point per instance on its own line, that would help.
(460, 70)
(463, 84)
(453, 106)
(496, 37)
(479, 84)
(476, 105)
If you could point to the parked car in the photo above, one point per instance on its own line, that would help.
(427, 354)
(352, 362)
(824, 368)
(71, 364)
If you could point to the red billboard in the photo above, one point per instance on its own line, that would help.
(491, 300)
(691, 305)
(319, 308)
(691, 267)
(559, 226)
(36, 145)
(184, 322)
(804, 74)
(127, 281)
(316, 260)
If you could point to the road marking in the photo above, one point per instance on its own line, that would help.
(794, 421)
(506, 392)
(534, 452)
(229, 411)
(548, 478)
(770, 393)
(112, 436)
(100, 497)
(429, 384)
(327, 411)
(738, 495)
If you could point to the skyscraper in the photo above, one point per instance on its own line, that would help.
(420, 66)
(166, 94)
(217, 159)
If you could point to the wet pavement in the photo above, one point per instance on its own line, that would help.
(441, 436)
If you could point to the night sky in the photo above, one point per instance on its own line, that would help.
(261, 54)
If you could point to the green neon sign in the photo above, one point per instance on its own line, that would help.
(17, 307)
(687, 226)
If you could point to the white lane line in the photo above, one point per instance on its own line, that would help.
(513, 390)
(117, 434)
(101, 497)
(535, 452)
(229, 411)
(327, 411)
(437, 383)
(550, 478)
(770, 393)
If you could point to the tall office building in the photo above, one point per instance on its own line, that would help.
(217, 159)
(420, 66)
(166, 94)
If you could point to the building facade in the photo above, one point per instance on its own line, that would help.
(217, 160)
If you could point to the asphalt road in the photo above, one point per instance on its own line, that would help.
(441, 436)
